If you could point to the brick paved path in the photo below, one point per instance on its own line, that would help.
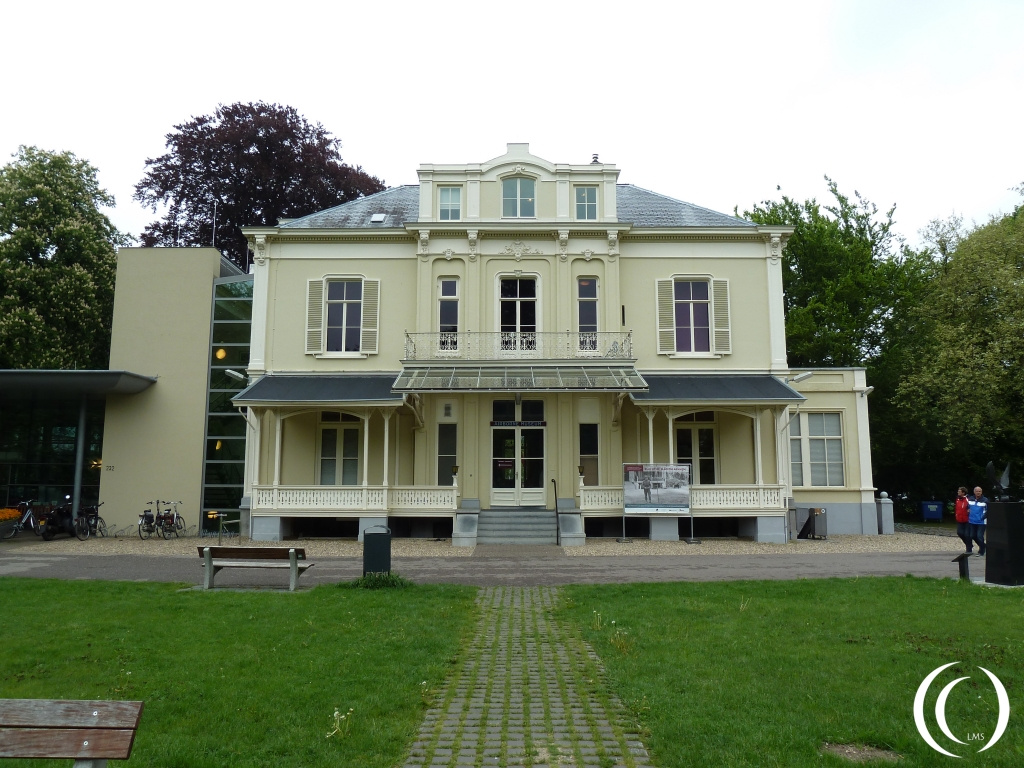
(525, 694)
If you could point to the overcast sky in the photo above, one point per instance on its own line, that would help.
(913, 103)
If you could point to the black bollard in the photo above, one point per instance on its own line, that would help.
(962, 560)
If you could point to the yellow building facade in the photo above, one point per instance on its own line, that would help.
(479, 355)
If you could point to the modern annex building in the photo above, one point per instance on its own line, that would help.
(493, 344)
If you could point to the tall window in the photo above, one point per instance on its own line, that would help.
(518, 199)
(344, 315)
(695, 445)
(339, 449)
(588, 453)
(451, 203)
(518, 313)
(816, 449)
(586, 298)
(448, 314)
(446, 458)
(586, 203)
(692, 316)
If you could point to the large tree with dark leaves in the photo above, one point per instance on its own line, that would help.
(57, 263)
(252, 163)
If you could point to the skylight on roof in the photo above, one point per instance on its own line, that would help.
(378, 218)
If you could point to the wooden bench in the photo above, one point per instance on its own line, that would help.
(216, 558)
(88, 732)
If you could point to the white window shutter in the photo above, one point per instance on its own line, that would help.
(314, 317)
(666, 318)
(371, 313)
(723, 331)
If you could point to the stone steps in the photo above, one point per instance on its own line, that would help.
(516, 525)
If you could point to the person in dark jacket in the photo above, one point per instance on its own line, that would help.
(978, 514)
(962, 512)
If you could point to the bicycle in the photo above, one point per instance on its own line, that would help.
(147, 523)
(174, 524)
(97, 525)
(27, 520)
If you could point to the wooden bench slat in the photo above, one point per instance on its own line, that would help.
(257, 564)
(72, 713)
(253, 553)
(66, 743)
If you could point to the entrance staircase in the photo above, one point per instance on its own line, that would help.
(516, 525)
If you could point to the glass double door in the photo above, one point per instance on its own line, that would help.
(517, 454)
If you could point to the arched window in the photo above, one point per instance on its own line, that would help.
(518, 198)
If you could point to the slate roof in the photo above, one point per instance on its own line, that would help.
(401, 205)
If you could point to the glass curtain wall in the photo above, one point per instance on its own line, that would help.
(224, 465)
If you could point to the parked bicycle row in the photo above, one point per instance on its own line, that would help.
(49, 520)
(161, 518)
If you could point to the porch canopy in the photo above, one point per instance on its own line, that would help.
(734, 389)
(365, 389)
(519, 378)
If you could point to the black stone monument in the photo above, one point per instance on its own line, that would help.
(1004, 543)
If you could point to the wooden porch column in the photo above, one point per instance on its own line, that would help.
(670, 415)
(366, 450)
(277, 447)
(650, 436)
(758, 471)
(398, 448)
(387, 431)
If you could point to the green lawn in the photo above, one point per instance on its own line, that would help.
(238, 678)
(764, 673)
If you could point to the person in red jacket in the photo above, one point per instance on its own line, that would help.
(963, 525)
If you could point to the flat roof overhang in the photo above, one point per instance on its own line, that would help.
(520, 378)
(320, 389)
(53, 383)
(711, 388)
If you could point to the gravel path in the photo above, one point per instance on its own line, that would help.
(430, 548)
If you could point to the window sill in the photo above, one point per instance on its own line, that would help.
(342, 355)
(694, 355)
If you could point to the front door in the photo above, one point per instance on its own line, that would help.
(517, 454)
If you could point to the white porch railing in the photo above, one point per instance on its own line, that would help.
(547, 345)
(706, 499)
(355, 498)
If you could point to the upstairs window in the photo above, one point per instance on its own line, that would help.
(586, 203)
(693, 316)
(518, 198)
(342, 316)
(448, 314)
(451, 203)
(586, 288)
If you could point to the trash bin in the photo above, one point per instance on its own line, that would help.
(377, 549)
(931, 510)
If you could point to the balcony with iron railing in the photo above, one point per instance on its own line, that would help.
(506, 345)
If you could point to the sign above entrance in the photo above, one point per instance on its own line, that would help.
(656, 489)
(519, 423)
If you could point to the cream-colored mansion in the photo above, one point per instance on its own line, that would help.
(494, 343)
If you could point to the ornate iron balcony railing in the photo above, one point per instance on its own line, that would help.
(503, 345)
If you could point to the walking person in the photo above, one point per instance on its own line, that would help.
(647, 487)
(962, 512)
(977, 516)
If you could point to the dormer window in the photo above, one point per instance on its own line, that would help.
(586, 203)
(518, 198)
(451, 203)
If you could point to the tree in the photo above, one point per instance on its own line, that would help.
(257, 163)
(57, 263)
(841, 276)
(965, 383)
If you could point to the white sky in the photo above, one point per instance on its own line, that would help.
(913, 103)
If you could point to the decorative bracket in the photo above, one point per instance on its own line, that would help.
(563, 245)
(472, 235)
(424, 244)
(259, 249)
(588, 254)
(448, 253)
(613, 242)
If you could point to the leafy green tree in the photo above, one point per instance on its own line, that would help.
(841, 276)
(965, 381)
(57, 263)
(244, 165)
